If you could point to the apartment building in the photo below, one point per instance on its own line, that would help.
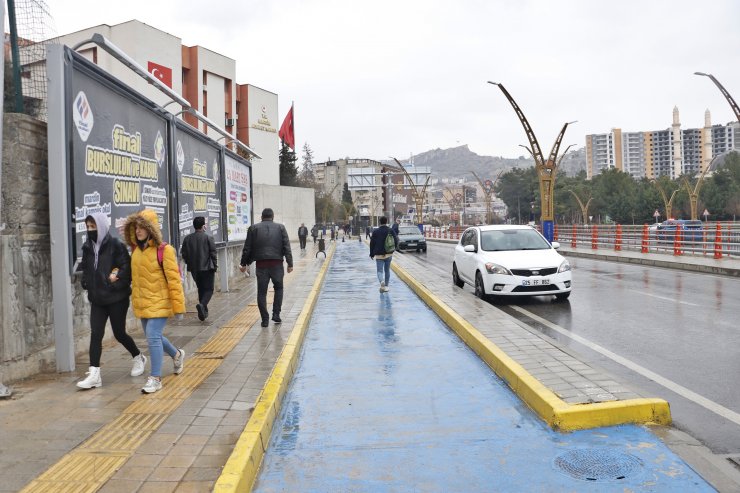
(670, 152)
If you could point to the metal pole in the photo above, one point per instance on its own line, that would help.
(4, 391)
(60, 222)
(16, 58)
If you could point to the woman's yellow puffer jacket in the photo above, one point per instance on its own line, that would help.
(152, 294)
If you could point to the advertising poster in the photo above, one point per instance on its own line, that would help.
(198, 182)
(238, 198)
(119, 155)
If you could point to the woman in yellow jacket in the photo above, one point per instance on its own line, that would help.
(156, 290)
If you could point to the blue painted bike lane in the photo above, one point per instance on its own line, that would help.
(387, 399)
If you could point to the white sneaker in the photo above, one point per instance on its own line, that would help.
(92, 380)
(382, 286)
(152, 385)
(139, 365)
(179, 361)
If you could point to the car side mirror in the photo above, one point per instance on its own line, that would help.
(470, 248)
(555, 245)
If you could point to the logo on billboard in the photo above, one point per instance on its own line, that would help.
(82, 116)
(159, 151)
(180, 154)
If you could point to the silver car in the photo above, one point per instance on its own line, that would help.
(507, 260)
(410, 238)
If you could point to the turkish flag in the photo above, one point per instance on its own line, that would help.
(286, 133)
(161, 72)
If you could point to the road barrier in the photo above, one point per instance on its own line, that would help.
(722, 239)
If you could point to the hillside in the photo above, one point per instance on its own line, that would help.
(458, 162)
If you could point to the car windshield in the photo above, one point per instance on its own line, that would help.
(512, 239)
(408, 230)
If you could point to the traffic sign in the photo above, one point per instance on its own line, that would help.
(706, 213)
(656, 213)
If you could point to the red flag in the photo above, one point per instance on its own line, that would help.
(286, 130)
(161, 72)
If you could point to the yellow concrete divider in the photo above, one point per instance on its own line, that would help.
(556, 412)
(242, 467)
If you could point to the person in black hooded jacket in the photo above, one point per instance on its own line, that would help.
(106, 275)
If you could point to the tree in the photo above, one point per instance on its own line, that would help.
(307, 176)
(518, 189)
(288, 170)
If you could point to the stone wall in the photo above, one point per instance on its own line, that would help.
(26, 333)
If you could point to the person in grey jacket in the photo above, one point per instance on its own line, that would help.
(267, 244)
(199, 253)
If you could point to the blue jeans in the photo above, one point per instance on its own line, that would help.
(384, 269)
(158, 343)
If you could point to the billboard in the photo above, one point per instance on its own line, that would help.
(118, 149)
(198, 181)
(238, 181)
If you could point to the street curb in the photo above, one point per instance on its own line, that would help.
(242, 467)
(553, 410)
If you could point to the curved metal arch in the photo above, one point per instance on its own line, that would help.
(534, 145)
(724, 92)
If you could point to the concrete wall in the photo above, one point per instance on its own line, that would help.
(26, 335)
(292, 206)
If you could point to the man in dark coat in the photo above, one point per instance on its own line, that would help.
(267, 244)
(302, 235)
(199, 253)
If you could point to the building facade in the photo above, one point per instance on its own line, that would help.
(206, 79)
(671, 152)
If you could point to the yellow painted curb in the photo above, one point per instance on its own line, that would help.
(240, 471)
(556, 412)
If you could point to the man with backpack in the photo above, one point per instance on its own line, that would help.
(199, 253)
(383, 243)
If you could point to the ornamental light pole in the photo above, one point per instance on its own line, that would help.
(724, 92)
(487, 187)
(419, 193)
(694, 192)
(546, 169)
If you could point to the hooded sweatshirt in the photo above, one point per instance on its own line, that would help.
(156, 290)
(99, 259)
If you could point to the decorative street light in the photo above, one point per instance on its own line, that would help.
(546, 169)
(694, 193)
(487, 187)
(724, 92)
(419, 193)
(668, 202)
(584, 207)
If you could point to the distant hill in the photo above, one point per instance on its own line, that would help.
(458, 162)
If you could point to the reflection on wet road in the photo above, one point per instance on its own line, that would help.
(679, 325)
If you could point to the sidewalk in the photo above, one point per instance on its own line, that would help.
(117, 439)
(386, 398)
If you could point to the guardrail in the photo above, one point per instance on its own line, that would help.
(718, 239)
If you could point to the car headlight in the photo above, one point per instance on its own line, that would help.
(564, 267)
(497, 269)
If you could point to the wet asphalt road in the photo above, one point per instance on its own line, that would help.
(681, 326)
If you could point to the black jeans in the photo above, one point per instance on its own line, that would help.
(302, 241)
(99, 315)
(204, 280)
(264, 276)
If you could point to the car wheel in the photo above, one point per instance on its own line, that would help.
(562, 296)
(480, 292)
(456, 278)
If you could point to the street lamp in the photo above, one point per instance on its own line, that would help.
(724, 92)
(546, 169)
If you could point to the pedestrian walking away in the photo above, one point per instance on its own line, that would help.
(156, 291)
(199, 253)
(314, 232)
(302, 235)
(383, 242)
(106, 275)
(267, 244)
(368, 232)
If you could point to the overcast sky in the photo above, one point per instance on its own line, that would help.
(393, 77)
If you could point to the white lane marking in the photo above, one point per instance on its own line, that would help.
(669, 384)
(667, 299)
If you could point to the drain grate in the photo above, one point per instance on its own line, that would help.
(597, 464)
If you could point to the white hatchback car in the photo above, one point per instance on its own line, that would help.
(508, 260)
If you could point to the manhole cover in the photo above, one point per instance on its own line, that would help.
(597, 464)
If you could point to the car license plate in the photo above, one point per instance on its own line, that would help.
(412, 243)
(535, 282)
